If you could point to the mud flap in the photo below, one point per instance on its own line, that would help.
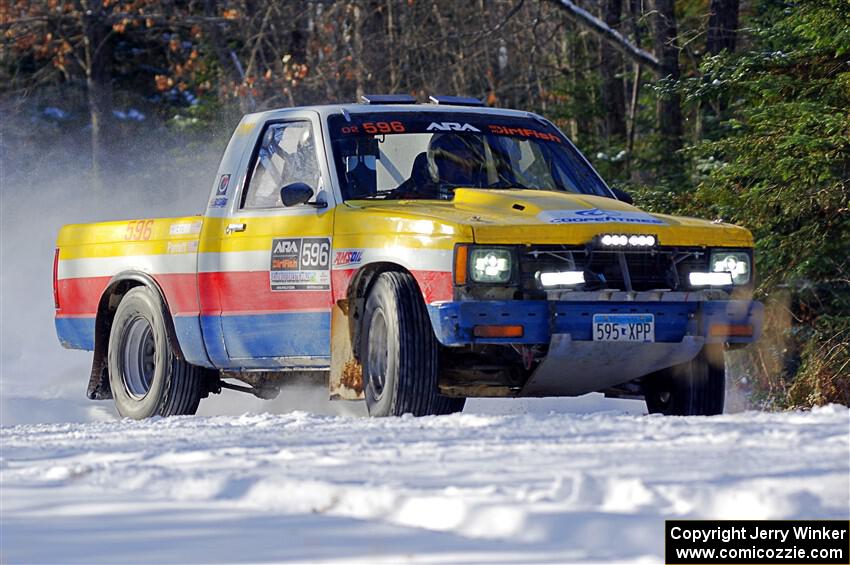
(573, 368)
(346, 379)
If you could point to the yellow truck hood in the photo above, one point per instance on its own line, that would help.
(540, 217)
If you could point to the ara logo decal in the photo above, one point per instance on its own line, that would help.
(348, 257)
(450, 126)
(285, 246)
(597, 216)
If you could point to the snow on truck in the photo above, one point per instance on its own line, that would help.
(413, 255)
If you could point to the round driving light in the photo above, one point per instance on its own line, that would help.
(623, 240)
(606, 239)
(650, 240)
(633, 240)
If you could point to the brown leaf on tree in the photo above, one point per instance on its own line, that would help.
(162, 82)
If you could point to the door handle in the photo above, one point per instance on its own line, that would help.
(232, 228)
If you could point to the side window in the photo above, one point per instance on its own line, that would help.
(287, 154)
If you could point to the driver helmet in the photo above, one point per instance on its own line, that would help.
(457, 159)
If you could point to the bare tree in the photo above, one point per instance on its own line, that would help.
(612, 36)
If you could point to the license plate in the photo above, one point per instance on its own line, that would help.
(624, 327)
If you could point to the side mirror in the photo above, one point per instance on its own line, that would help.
(295, 194)
(623, 195)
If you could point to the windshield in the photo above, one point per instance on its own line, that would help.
(426, 155)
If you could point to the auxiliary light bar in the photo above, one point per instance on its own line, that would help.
(623, 240)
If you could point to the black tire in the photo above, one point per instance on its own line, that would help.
(146, 377)
(695, 388)
(398, 352)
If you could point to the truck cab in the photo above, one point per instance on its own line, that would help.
(412, 255)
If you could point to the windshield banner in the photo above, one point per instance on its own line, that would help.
(432, 122)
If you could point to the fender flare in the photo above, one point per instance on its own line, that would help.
(358, 290)
(98, 387)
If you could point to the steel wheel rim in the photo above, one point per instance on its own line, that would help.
(377, 368)
(138, 353)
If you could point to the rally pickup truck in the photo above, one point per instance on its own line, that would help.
(412, 255)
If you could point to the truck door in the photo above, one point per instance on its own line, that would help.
(265, 272)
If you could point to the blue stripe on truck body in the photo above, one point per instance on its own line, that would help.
(76, 333)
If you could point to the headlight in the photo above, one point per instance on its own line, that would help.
(736, 263)
(490, 265)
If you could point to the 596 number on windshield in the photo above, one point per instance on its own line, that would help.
(383, 127)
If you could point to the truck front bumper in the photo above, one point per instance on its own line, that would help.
(717, 321)
(575, 364)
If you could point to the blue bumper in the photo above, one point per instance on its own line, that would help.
(716, 321)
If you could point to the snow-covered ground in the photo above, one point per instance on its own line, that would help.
(485, 486)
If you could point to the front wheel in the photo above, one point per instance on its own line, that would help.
(146, 377)
(398, 352)
(695, 388)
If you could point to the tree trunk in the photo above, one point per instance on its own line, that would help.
(720, 35)
(722, 26)
(668, 109)
(97, 52)
(613, 91)
(357, 49)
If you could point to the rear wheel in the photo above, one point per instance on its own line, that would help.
(695, 388)
(398, 352)
(146, 377)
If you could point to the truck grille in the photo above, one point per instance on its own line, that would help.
(655, 269)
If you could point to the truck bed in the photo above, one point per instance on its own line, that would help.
(88, 256)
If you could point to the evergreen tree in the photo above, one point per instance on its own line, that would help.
(780, 165)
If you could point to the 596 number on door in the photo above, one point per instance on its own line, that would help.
(315, 254)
